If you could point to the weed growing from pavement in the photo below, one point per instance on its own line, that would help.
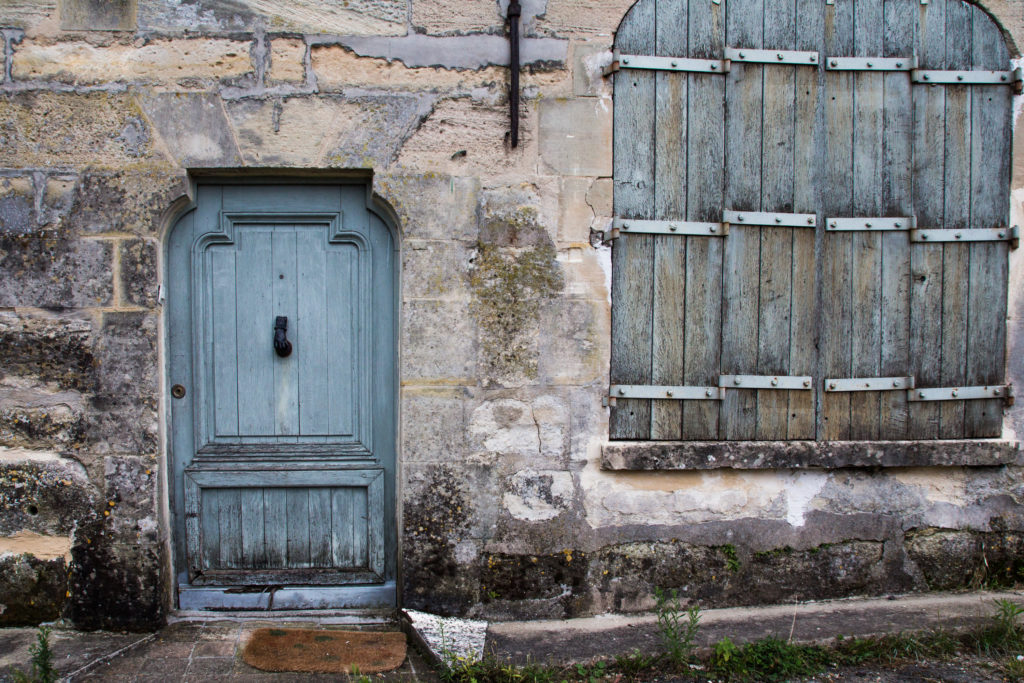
(768, 659)
(42, 670)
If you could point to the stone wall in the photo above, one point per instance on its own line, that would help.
(105, 107)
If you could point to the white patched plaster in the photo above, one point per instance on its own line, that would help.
(604, 260)
(804, 486)
(451, 639)
(535, 496)
(508, 426)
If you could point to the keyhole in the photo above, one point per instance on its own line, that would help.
(281, 276)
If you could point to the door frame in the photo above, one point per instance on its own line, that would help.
(173, 502)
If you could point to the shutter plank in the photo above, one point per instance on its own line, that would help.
(837, 200)
(667, 342)
(776, 244)
(898, 41)
(991, 139)
(810, 22)
(926, 259)
(633, 255)
(705, 177)
(866, 266)
(741, 277)
(254, 549)
(956, 215)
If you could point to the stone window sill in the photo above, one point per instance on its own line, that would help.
(767, 455)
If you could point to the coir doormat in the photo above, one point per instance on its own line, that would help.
(316, 651)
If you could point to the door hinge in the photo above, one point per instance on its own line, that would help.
(650, 62)
(871, 223)
(764, 382)
(691, 228)
(1004, 392)
(1011, 235)
(784, 220)
(836, 384)
(971, 77)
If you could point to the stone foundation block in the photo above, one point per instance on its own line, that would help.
(53, 270)
(31, 590)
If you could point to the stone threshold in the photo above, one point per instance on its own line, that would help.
(764, 455)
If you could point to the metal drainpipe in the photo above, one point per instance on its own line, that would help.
(514, 12)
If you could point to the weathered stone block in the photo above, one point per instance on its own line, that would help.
(538, 495)
(533, 586)
(51, 269)
(114, 586)
(537, 430)
(40, 128)
(948, 559)
(194, 128)
(435, 269)
(139, 272)
(432, 206)
(287, 56)
(433, 424)
(576, 136)
(32, 590)
(586, 18)
(438, 342)
(452, 17)
(126, 201)
(356, 17)
(376, 128)
(119, 426)
(48, 349)
(97, 15)
(600, 197)
(35, 17)
(55, 426)
(43, 493)
(162, 61)
(126, 356)
(130, 505)
(17, 205)
(575, 214)
(573, 343)
(57, 196)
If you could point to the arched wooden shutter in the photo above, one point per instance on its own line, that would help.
(812, 204)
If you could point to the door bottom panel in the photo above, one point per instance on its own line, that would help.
(192, 597)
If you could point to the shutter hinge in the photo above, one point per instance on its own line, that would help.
(649, 62)
(757, 56)
(871, 63)
(873, 223)
(976, 77)
(764, 382)
(785, 220)
(836, 385)
(1004, 392)
(1011, 235)
(669, 393)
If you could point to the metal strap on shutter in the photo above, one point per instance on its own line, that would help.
(712, 66)
(764, 382)
(870, 63)
(1004, 392)
(974, 77)
(663, 392)
(1011, 235)
(874, 223)
(835, 384)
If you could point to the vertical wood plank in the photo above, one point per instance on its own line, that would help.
(320, 549)
(926, 259)
(374, 518)
(275, 526)
(667, 341)
(297, 501)
(866, 265)
(837, 200)
(743, 126)
(342, 292)
(956, 213)
(314, 354)
(633, 255)
(991, 140)
(254, 313)
(705, 177)
(286, 380)
(808, 141)
(224, 344)
(342, 527)
(230, 507)
(776, 244)
(899, 26)
(254, 548)
(209, 515)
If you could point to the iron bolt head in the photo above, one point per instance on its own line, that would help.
(959, 78)
(674, 63)
(813, 58)
(896, 225)
(1002, 78)
(807, 382)
(673, 227)
(736, 380)
(778, 220)
(834, 63)
(924, 236)
(625, 61)
(867, 225)
(714, 66)
(740, 218)
(996, 392)
(899, 65)
(810, 221)
(957, 235)
(896, 383)
(779, 56)
(707, 393)
(831, 385)
(742, 55)
(625, 226)
(775, 381)
(622, 392)
(925, 77)
(955, 393)
(870, 65)
(920, 394)
(713, 228)
(1002, 234)
(668, 393)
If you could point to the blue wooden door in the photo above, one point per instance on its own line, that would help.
(281, 334)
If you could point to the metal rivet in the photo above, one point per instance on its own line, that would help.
(899, 65)
(622, 392)
(834, 63)
(625, 226)
(807, 382)
(925, 77)
(959, 78)
(896, 383)
(957, 235)
(714, 66)
(810, 221)
(995, 392)
(668, 393)
(831, 385)
(625, 61)
(1002, 78)
(833, 224)
(775, 381)
(736, 380)
(924, 236)
(954, 392)
(779, 55)
(813, 58)
(895, 225)
(675, 63)
(920, 394)
(742, 55)
(673, 227)
(1002, 235)
(870, 65)
(740, 218)
(707, 393)
(778, 220)
(712, 228)
(867, 226)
